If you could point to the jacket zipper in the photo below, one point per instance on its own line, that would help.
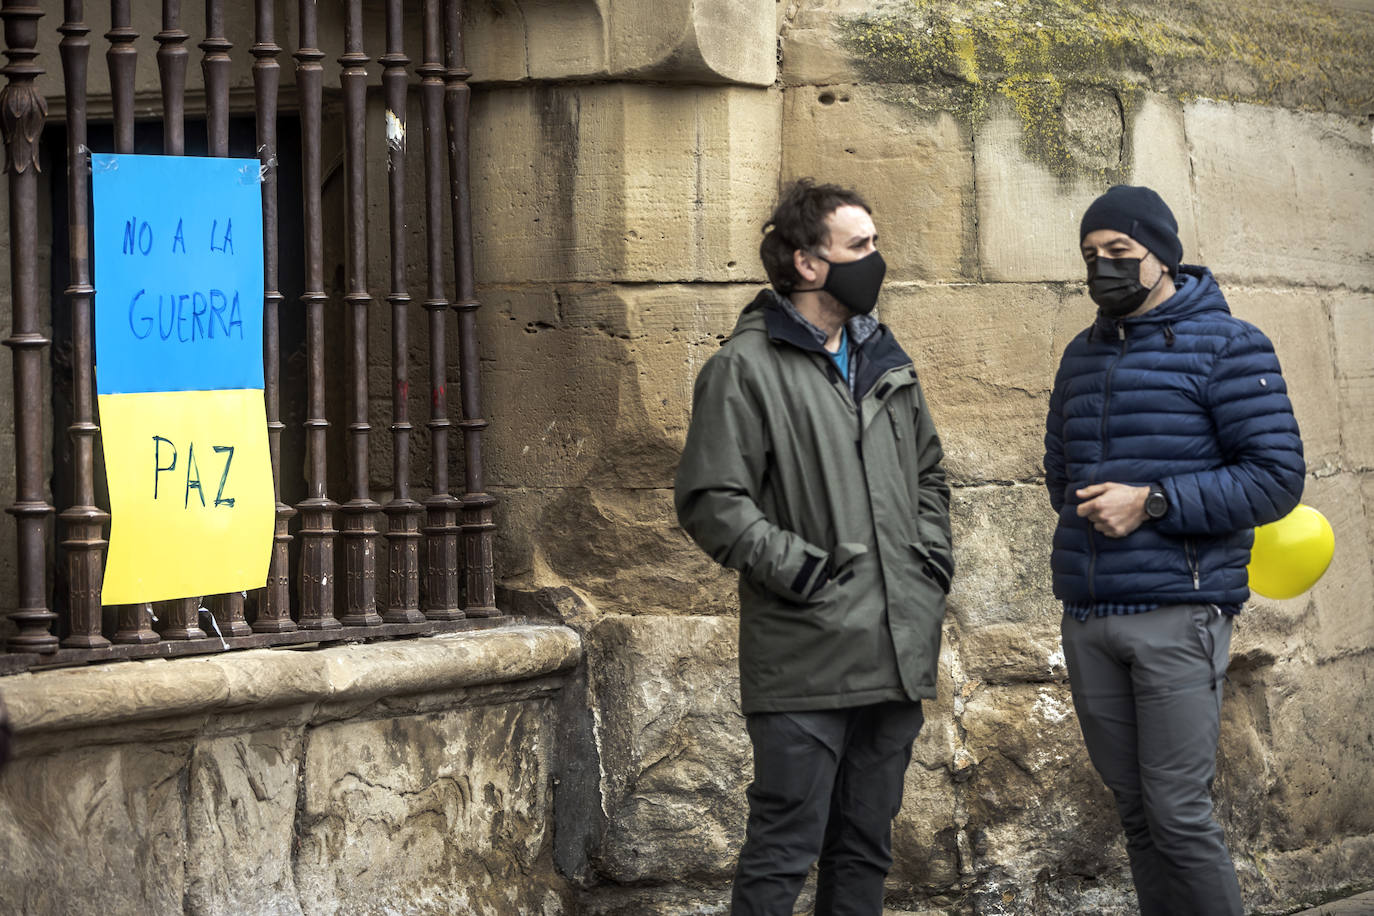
(1102, 436)
(1192, 563)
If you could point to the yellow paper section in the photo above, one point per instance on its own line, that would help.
(191, 501)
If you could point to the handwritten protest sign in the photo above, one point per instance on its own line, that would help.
(178, 333)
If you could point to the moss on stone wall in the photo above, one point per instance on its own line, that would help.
(1039, 53)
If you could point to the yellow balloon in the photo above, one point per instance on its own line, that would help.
(1291, 554)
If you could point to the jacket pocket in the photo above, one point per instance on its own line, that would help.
(838, 572)
(930, 568)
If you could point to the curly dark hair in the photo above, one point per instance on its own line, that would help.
(798, 222)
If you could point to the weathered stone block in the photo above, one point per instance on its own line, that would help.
(690, 40)
(1341, 619)
(925, 833)
(455, 803)
(1028, 216)
(1319, 795)
(925, 845)
(1352, 320)
(1306, 875)
(240, 813)
(596, 381)
(675, 757)
(987, 357)
(1007, 616)
(99, 829)
(541, 40)
(1256, 167)
(914, 169)
(1032, 778)
(1332, 619)
(707, 40)
(1159, 160)
(620, 549)
(1298, 323)
(811, 51)
(674, 753)
(626, 548)
(586, 198)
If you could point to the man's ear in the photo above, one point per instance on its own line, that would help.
(805, 265)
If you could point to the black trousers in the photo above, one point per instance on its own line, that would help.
(827, 785)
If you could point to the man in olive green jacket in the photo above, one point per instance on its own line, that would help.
(813, 468)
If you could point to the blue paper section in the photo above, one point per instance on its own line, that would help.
(178, 273)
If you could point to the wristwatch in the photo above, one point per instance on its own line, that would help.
(1156, 503)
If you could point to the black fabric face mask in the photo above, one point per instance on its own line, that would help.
(1114, 284)
(856, 283)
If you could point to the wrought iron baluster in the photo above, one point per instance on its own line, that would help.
(183, 614)
(317, 509)
(478, 527)
(22, 113)
(84, 520)
(274, 606)
(442, 598)
(360, 512)
(403, 513)
(135, 620)
(228, 609)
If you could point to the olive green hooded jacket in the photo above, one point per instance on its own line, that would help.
(835, 514)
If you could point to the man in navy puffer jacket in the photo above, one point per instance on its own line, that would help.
(1170, 436)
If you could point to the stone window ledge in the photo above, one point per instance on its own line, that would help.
(252, 682)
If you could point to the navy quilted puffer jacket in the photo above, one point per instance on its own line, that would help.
(1188, 396)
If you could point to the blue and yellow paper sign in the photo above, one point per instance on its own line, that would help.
(179, 380)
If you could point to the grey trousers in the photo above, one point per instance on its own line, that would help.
(826, 785)
(1147, 689)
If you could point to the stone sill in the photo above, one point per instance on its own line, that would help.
(109, 696)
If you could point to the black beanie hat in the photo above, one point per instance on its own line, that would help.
(1143, 215)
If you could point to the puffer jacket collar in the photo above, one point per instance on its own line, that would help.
(1197, 292)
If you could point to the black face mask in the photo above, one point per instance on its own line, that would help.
(1114, 284)
(856, 283)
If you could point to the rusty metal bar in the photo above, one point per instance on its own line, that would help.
(403, 513)
(442, 600)
(360, 512)
(317, 509)
(171, 69)
(121, 59)
(478, 528)
(84, 520)
(22, 113)
(182, 648)
(215, 66)
(182, 615)
(135, 620)
(274, 605)
(227, 609)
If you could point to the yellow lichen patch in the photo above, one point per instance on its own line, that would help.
(1295, 53)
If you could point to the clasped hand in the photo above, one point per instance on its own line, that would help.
(1115, 509)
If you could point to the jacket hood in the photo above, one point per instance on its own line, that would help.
(1196, 292)
(752, 318)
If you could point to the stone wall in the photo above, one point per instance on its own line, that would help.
(391, 778)
(624, 156)
(619, 231)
